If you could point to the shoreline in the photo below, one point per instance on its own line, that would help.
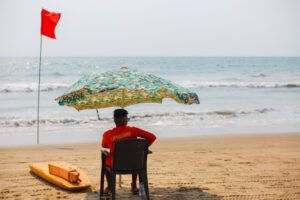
(244, 166)
(188, 137)
(71, 135)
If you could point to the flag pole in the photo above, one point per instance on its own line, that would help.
(38, 109)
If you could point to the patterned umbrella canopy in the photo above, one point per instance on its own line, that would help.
(121, 88)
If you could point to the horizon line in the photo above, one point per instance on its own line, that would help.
(153, 56)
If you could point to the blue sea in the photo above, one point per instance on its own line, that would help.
(238, 95)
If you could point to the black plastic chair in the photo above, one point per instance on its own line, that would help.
(130, 157)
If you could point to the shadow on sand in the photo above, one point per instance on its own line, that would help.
(182, 193)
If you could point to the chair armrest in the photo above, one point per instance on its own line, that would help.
(149, 151)
(105, 153)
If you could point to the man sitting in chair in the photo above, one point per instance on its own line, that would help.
(122, 131)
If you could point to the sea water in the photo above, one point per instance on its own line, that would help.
(237, 95)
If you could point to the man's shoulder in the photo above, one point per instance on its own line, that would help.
(131, 127)
(135, 128)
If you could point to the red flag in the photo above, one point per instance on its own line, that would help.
(49, 21)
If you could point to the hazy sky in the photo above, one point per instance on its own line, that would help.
(153, 28)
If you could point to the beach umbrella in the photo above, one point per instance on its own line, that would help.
(121, 88)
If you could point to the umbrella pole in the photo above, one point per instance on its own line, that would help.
(98, 114)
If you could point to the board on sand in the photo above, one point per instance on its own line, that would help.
(42, 170)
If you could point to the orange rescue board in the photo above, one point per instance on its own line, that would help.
(42, 170)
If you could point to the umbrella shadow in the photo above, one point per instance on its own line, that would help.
(182, 193)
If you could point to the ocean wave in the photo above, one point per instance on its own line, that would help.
(259, 75)
(46, 87)
(194, 84)
(51, 121)
(30, 87)
(167, 116)
(57, 74)
(240, 112)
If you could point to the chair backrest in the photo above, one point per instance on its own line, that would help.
(130, 154)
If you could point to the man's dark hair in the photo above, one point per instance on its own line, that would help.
(120, 113)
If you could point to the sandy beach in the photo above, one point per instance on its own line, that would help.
(206, 167)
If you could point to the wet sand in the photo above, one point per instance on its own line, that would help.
(207, 167)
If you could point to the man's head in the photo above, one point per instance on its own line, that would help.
(120, 117)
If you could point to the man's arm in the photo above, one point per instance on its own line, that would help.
(145, 134)
(104, 140)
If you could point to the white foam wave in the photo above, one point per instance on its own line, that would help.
(51, 121)
(195, 84)
(30, 87)
(167, 116)
(45, 87)
(259, 75)
(240, 112)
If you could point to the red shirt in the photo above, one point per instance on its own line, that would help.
(120, 133)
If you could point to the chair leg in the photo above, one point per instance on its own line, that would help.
(113, 185)
(140, 178)
(145, 181)
(102, 180)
